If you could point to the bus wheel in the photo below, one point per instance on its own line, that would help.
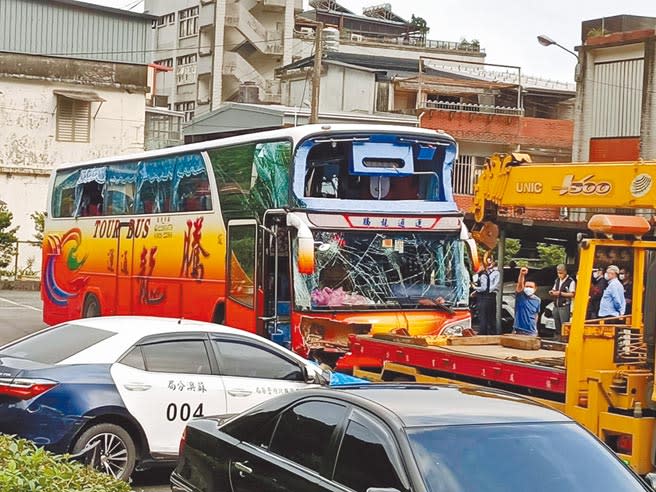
(91, 307)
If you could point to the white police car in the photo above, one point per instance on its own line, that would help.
(127, 385)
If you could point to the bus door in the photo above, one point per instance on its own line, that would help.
(275, 324)
(242, 294)
(123, 270)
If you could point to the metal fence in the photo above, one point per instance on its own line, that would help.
(465, 173)
(26, 262)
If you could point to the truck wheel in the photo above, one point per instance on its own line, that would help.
(115, 453)
(91, 307)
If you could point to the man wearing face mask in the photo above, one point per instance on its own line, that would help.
(613, 303)
(527, 306)
(562, 292)
(597, 287)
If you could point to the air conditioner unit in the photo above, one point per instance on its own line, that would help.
(357, 37)
(161, 101)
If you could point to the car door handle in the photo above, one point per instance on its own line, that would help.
(240, 392)
(136, 386)
(243, 469)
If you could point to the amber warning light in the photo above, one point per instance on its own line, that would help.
(626, 225)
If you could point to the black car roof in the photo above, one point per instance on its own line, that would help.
(435, 405)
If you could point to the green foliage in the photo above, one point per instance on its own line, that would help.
(512, 248)
(39, 219)
(597, 31)
(7, 237)
(26, 467)
(550, 254)
(420, 24)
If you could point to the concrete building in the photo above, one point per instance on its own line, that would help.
(616, 103)
(246, 41)
(73, 80)
(615, 117)
(216, 47)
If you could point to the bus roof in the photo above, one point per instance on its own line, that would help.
(295, 133)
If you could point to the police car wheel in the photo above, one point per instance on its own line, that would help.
(114, 452)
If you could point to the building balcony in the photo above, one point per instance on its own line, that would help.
(277, 5)
(435, 45)
(499, 125)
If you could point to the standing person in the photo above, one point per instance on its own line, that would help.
(597, 286)
(613, 303)
(625, 278)
(486, 295)
(527, 306)
(562, 293)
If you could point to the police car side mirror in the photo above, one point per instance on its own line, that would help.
(308, 375)
(650, 478)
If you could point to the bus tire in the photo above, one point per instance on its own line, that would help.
(91, 307)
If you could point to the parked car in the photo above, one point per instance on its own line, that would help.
(395, 437)
(128, 385)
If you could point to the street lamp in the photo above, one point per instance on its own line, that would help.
(547, 41)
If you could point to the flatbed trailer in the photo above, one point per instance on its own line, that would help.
(538, 373)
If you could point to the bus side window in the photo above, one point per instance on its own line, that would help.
(154, 186)
(92, 200)
(63, 196)
(193, 194)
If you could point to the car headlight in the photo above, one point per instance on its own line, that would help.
(453, 331)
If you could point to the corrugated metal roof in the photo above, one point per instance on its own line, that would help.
(73, 29)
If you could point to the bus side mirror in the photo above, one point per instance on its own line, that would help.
(305, 243)
(473, 254)
(306, 255)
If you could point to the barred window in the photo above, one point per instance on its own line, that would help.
(188, 22)
(73, 120)
(188, 108)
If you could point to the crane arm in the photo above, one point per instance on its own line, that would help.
(511, 180)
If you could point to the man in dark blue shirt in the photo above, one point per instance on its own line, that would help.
(527, 306)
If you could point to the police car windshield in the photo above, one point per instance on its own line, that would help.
(539, 457)
(54, 345)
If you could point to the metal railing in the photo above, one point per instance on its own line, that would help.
(26, 262)
(466, 171)
(430, 44)
(474, 108)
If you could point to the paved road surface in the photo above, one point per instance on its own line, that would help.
(20, 315)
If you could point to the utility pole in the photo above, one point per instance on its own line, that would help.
(316, 73)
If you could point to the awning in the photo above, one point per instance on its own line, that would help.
(87, 96)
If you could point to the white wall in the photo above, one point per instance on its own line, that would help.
(28, 124)
(29, 150)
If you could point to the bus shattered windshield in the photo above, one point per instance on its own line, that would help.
(393, 270)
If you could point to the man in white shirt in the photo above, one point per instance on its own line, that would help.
(486, 298)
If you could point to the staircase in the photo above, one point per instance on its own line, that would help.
(239, 17)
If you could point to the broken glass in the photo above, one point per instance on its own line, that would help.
(372, 270)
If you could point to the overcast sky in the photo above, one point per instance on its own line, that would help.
(506, 29)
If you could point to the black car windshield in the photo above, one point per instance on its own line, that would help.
(369, 270)
(54, 345)
(516, 458)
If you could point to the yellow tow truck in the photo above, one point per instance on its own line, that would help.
(605, 378)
